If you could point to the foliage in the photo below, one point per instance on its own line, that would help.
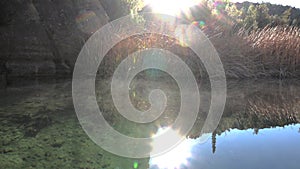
(132, 6)
(251, 42)
(255, 16)
(248, 15)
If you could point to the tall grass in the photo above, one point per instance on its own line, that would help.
(238, 58)
(268, 52)
(279, 48)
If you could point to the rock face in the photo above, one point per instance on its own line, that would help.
(117, 11)
(44, 37)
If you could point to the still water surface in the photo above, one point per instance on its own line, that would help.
(259, 129)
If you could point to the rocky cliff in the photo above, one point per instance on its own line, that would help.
(44, 37)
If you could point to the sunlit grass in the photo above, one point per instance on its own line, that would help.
(280, 44)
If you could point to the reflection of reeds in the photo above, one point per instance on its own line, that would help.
(274, 112)
(263, 111)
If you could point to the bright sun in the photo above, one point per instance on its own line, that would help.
(171, 7)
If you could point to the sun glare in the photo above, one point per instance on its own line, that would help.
(171, 7)
(174, 158)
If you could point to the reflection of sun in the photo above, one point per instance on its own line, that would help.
(171, 7)
(174, 158)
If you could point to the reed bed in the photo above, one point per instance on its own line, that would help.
(283, 42)
(269, 52)
(279, 49)
(238, 58)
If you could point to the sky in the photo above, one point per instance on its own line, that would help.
(293, 3)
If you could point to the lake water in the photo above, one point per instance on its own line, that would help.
(259, 129)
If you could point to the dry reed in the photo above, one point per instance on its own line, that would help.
(269, 52)
(279, 47)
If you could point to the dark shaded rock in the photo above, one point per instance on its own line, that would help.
(3, 81)
(62, 67)
(3, 74)
(24, 43)
(44, 37)
(31, 68)
(69, 23)
(114, 8)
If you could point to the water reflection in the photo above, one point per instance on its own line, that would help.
(173, 158)
(179, 156)
(277, 147)
(274, 148)
(259, 128)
